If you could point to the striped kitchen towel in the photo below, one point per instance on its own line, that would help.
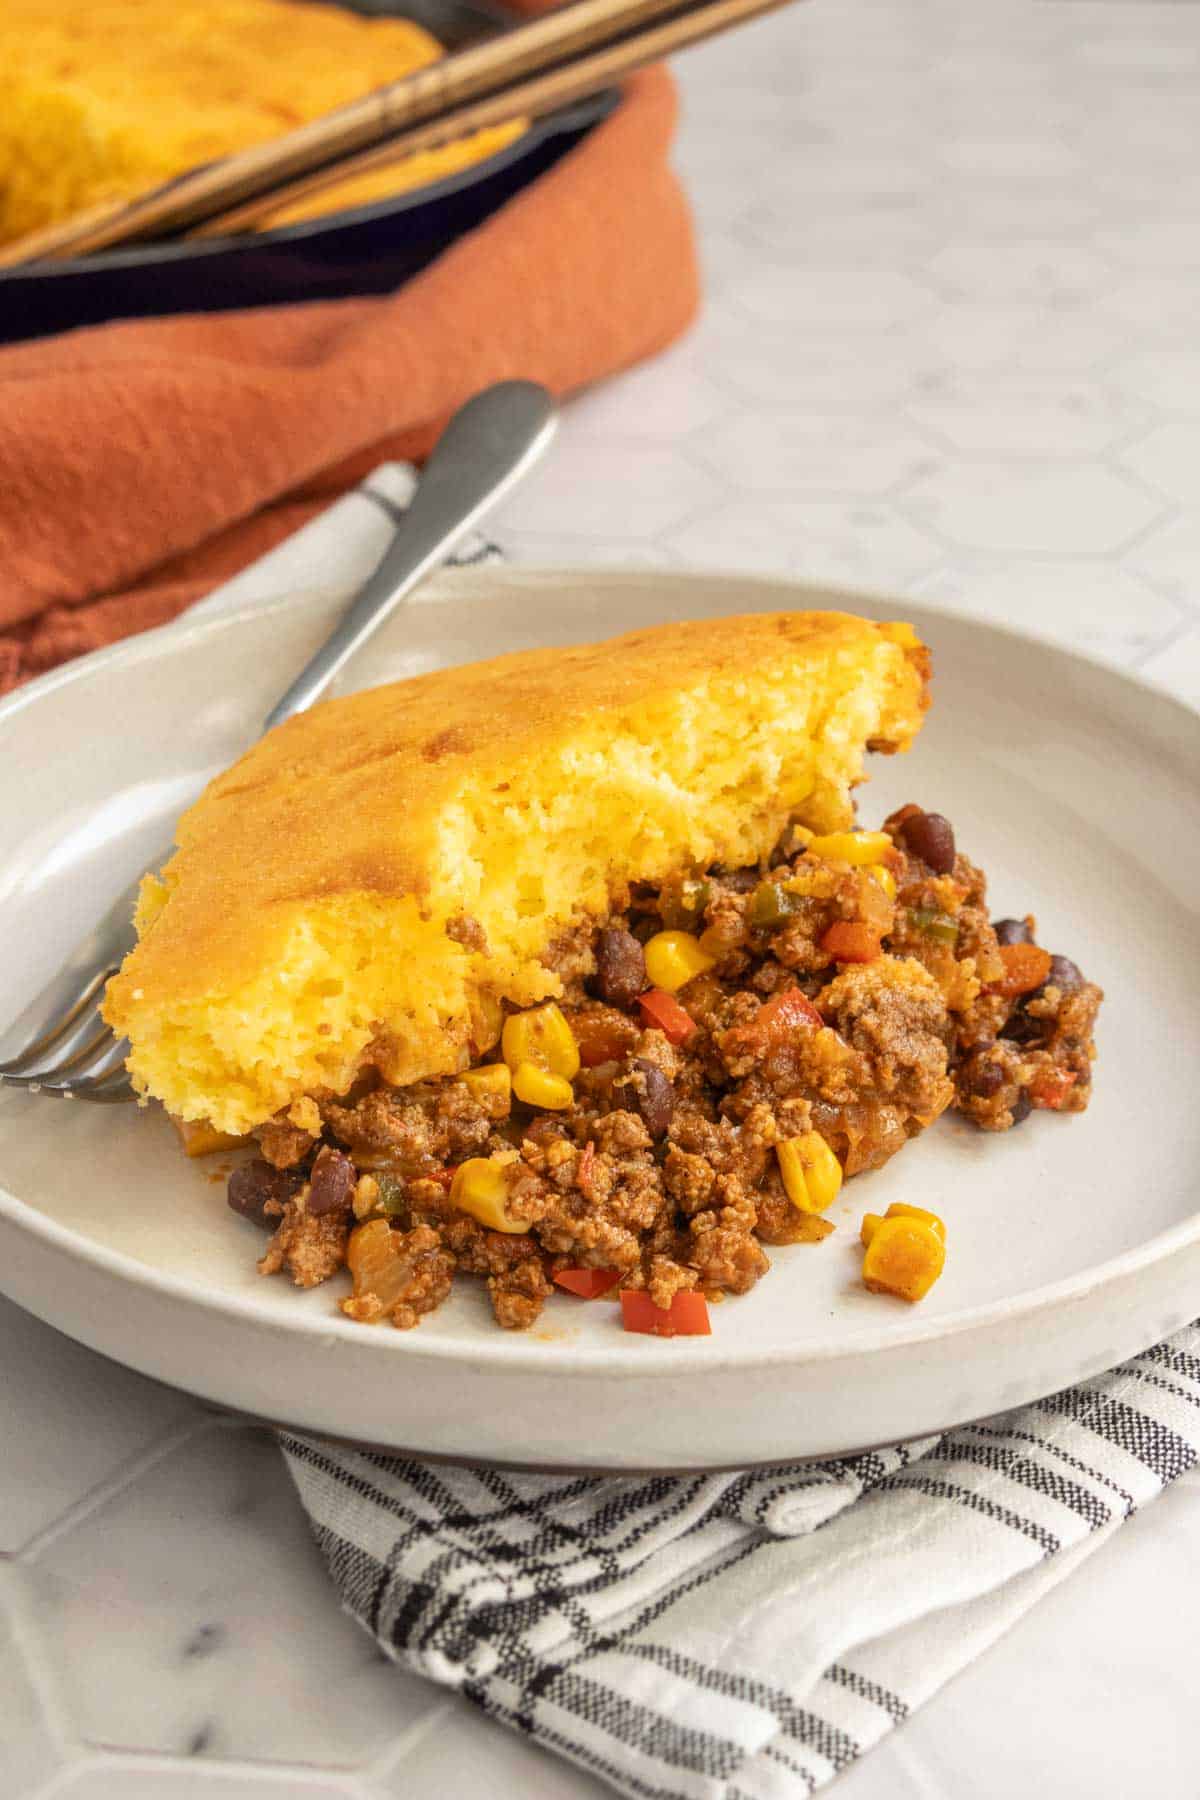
(741, 1636)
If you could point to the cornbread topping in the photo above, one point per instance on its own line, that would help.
(313, 922)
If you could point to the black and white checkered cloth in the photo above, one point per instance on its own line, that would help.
(741, 1636)
(720, 1637)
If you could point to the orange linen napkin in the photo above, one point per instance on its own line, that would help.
(142, 463)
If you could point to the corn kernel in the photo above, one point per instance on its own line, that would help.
(900, 1209)
(365, 1200)
(857, 847)
(542, 1037)
(673, 958)
(492, 1082)
(542, 1087)
(887, 881)
(904, 1257)
(480, 1187)
(812, 1174)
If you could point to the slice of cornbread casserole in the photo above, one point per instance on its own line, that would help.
(376, 879)
(570, 967)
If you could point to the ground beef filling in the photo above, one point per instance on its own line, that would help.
(856, 1000)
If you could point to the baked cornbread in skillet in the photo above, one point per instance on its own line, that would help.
(103, 101)
(374, 881)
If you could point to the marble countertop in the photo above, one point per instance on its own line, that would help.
(951, 348)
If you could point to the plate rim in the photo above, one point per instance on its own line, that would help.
(510, 1354)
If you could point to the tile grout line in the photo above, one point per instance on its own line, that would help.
(272, 1777)
(39, 1665)
(42, 1676)
(416, 1734)
(909, 507)
(1167, 642)
(107, 1490)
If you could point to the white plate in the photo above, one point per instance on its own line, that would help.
(1073, 1242)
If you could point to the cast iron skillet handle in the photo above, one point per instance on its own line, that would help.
(483, 452)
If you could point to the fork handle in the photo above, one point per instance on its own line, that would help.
(485, 449)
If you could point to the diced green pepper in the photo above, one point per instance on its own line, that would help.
(392, 1203)
(772, 906)
(685, 912)
(934, 924)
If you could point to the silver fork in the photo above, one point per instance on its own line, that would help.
(487, 447)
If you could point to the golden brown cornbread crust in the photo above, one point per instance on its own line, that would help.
(301, 925)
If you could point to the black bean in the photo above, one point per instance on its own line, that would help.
(1021, 1029)
(1012, 931)
(620, 967)
(1022, 1106)
(1063, 973)
(255, 1183)
(982, 1077)
(332, 1182)
(646, 1090)
(931, 837)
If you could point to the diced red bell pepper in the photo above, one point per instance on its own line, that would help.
(774, 1023)
(850, 941)
(687, 1315)
(589, 1284)
(1050, 1087)
(664, 1011)
(781, 1015)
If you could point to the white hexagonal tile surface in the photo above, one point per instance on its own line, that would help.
(1086, 606)
(29, 1750)
(69, 1421)
(1168, 459)
(192, 1614)
(1026, 507)
(150, 1778)
(1176, 667)
(995, 415)
(794, 453)
(469, 1757)
(860, 543)
(1169, 379)
(831, 300)
(1038, 269)
(580, 491)
(950, 349)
